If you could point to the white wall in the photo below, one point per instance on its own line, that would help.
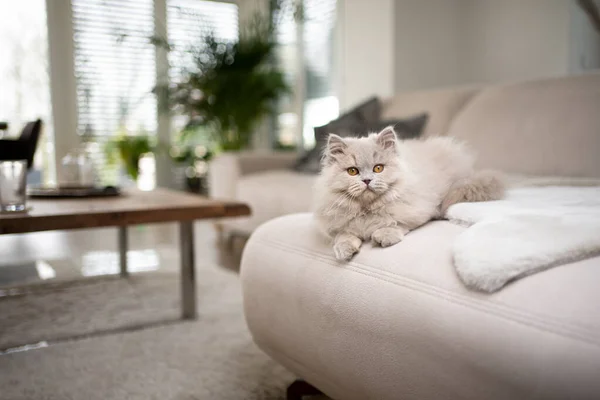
(429, 43)
(513, 40)
(366, 54)
(452, 42)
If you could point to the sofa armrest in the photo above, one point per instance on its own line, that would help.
(227, 168)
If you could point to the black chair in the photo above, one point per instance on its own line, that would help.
(24, 147)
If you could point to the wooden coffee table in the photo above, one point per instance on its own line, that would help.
(131, 208)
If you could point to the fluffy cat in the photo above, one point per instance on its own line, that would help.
(379, 188)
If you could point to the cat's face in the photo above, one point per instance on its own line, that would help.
(362, 168)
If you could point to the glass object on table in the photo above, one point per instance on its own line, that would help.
(13, 182)
(77, 169)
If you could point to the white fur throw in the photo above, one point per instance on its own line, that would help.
(532, 229)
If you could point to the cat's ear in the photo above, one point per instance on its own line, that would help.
(387, 138)
(335, 145)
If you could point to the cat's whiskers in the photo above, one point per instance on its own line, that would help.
(338, 203)
(356, 189)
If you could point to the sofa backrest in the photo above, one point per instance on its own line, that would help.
(441, 105)
(544, 127)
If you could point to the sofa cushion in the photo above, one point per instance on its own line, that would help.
(545, 127)
(408, 128)
(441, 105)
(349, 123)
(228, 167)
(271, 194)
(352, 120)
(396, 323)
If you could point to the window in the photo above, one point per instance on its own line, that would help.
(115, 72)
(321, 104)
(188, 21)
(287, 55)
(25, 94)
(314, 88)
(114, 66)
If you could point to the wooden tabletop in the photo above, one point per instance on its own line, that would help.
(131, 208)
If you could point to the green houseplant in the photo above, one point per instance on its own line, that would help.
(129, 150)
(231, 86)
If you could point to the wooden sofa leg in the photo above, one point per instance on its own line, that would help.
(299, 388)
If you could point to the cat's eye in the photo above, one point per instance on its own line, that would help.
(352, 171)
(378, 168)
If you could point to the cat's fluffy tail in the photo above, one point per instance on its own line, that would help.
(481, 186)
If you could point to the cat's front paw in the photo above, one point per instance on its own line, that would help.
(344, 250)
(386, 237)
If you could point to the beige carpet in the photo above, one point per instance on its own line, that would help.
(211, 358)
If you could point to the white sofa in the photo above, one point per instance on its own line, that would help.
(396, 323)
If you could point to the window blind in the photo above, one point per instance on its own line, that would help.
(318, 21)
(321, 104)
(114, 66)
(318, 27)
(319, 24)
(189, 21)
(287, 125)
(286, 34)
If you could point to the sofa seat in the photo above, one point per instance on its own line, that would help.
(396, 323)
(272, 194)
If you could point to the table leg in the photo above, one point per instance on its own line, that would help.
(123, 251)
(188, 279)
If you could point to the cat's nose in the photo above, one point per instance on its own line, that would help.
(367, 181)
